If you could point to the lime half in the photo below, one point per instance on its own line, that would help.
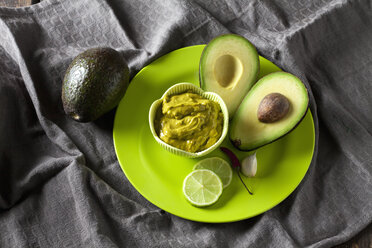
(219, 166)
(202, 187)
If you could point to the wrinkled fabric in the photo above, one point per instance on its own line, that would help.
(60, 181)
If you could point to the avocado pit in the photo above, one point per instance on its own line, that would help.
(272, 108)
(228, 70)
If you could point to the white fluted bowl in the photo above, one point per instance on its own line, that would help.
(180, 88)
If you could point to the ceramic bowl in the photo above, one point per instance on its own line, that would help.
(177, 89)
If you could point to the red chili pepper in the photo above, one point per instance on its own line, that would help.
(235, 164)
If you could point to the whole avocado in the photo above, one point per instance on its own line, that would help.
(94, 83)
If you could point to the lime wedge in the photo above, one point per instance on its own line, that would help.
(202, 187)
(219, 166)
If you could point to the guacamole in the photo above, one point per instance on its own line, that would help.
(189, 122)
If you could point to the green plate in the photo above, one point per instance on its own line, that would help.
(158, 175)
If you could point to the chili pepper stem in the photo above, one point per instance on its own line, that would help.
(245, 186)
(235, 163)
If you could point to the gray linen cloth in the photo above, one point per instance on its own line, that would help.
(60, 182)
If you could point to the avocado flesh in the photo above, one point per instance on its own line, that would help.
(247, 132)
(94, 83)
(229, 66)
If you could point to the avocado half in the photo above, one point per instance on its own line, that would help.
(247, 132)
(94, 83)
(229, 66)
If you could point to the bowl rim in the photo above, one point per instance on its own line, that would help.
(207, 94)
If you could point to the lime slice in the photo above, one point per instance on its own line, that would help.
(218, 166)
(202, 187)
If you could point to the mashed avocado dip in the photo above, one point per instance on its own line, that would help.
(189, 122)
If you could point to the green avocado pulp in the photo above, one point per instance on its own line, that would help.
(189, 122)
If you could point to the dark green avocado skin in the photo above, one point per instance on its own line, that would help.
(94, 83)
